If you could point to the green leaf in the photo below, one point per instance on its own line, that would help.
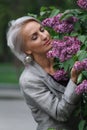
(67, 65)
(51, 129)
(84, 73)
(82, 38)
(82, 124)
(32, 15)
(80, 77)
(54, 12)
(52, 7)
(42, 13)
(66, 16)
(85, 43)
(43, 8)
(77, 11)
(74, 34)
(77, 26)
(81, 55)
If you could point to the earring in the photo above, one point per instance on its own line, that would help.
(28, 59)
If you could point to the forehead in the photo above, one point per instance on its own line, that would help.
(31, 27)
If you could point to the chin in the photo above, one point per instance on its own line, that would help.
(50, 48)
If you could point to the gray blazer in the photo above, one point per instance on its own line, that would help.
(51, 103)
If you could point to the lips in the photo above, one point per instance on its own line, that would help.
(47, 42)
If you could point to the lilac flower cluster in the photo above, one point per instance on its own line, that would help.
(64, 49)
(60, 26)
(82, 4)
(81, 65)
(81, 88)
(60, 75)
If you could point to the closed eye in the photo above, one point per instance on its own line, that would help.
(42, 29)
(34, 36)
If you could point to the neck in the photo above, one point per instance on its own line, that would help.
(45, 63)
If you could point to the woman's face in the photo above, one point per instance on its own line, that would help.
(37, 40)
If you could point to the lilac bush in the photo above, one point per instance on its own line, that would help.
(81, 65)
(64, 49)
(82, 4)
(61, 26)
(81, 88)
(60, 75)
(69, 32)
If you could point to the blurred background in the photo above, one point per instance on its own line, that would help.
(14, 114)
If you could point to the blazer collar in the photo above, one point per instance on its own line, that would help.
(48, 80)
(37, 69)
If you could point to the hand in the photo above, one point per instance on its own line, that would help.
(75, 74)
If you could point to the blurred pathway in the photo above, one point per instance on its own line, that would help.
(14, 113)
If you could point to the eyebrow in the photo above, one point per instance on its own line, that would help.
(34, 33)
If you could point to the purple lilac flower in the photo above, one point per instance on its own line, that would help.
(61, 26)
(60, 75)
(51, 22)
(85, 64)
(72, 19)
(81, 65)
(64, 49)
(81, 88)
(48, 22)
(82, 4)
(78, 66)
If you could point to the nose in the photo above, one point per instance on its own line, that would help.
(43, 36)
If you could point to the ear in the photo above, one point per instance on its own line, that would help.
(29, 52)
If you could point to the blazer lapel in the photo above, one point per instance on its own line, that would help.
(54, 86)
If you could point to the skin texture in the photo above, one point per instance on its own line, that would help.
(37, 42)
(37, 39)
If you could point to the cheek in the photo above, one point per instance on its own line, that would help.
(33, 45)
(48, 33)
(27, 46)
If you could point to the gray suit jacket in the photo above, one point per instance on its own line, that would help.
(51, 103)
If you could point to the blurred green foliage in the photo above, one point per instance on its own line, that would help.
(8, 73)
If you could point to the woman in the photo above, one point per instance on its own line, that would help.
(52, 104)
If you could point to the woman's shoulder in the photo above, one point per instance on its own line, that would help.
(30, 75)
(26, 75)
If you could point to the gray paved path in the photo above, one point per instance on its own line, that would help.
(14, 113)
